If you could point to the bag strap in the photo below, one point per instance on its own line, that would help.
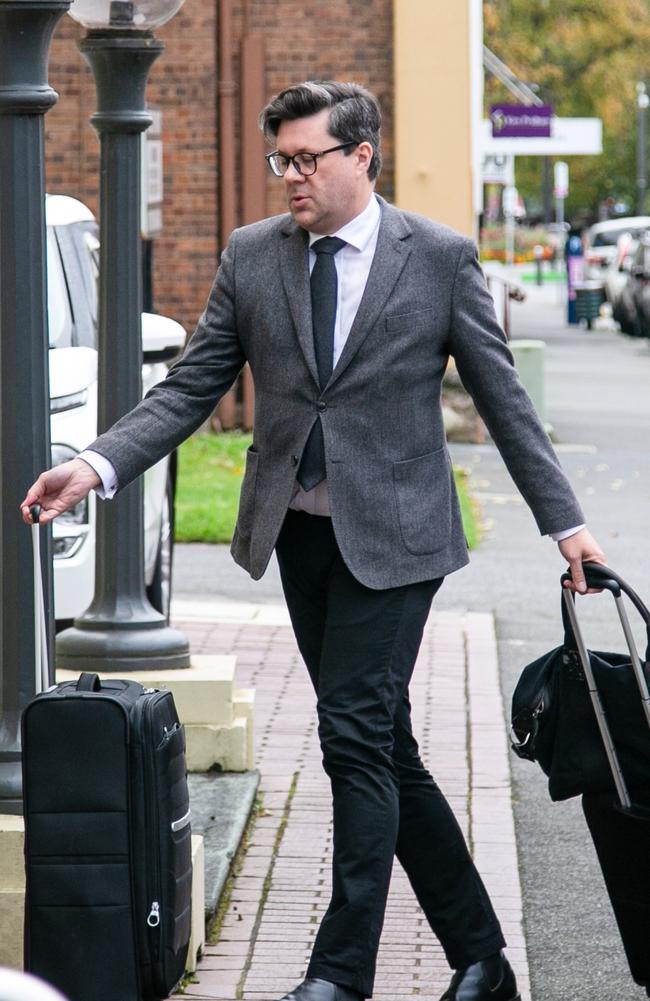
(89, 682)
(598, 575)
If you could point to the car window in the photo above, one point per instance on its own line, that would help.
(608, 239)
(75, 242)
(58, 304)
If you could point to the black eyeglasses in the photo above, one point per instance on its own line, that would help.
(304, 163)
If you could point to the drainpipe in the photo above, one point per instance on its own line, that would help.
(253, 167)
(226, 88)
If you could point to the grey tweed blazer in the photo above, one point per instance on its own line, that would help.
(393, 502)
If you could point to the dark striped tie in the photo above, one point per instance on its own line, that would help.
(324, 286)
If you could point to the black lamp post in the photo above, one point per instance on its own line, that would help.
(642, 102)
(120, 631)
(26, 29)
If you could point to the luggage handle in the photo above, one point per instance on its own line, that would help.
(41, 666)
(598, 575)
(89, 682)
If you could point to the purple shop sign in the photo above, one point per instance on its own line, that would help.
(521, 120)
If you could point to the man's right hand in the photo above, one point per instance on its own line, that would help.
(59, 489)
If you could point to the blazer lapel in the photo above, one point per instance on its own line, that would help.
(391, 254)
(294, 266)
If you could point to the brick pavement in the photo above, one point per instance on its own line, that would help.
(263, 948)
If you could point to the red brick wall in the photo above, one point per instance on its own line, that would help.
(344, 39)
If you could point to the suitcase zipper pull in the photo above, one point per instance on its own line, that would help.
(153, 919)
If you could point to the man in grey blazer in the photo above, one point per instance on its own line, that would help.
(347, 311)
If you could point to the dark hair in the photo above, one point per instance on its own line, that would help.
(355, 115)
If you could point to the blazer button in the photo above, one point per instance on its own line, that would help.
(295, 459)
(321, 406)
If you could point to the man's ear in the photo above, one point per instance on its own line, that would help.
(364, 154)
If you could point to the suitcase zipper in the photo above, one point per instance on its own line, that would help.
(153, 918)
(151, 807)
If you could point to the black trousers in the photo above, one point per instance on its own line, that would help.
(360, 647)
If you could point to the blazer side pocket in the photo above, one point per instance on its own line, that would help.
(423, 494)
(247, 494)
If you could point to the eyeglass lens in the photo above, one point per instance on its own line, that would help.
(304, 163)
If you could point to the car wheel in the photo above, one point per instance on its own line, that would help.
(159, 591)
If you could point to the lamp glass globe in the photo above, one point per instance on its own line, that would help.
(135, 14)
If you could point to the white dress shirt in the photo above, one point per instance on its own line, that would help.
(352, 269)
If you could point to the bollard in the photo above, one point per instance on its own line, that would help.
(529, 361)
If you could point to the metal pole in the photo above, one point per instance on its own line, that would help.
(26, 30)
(642, 104)
(120, 631)
(547, 189)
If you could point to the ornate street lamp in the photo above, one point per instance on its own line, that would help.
(120, 631)
(26, 29)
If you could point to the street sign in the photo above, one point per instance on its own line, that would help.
(561, 179)
(511, 120)
(498, 170)
(569, 136)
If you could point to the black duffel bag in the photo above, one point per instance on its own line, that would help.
(553, 720)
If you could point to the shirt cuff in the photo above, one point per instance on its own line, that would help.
(559, 536)
(105, 470)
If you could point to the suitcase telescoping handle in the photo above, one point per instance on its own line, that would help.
(41, 668)
(598, 575)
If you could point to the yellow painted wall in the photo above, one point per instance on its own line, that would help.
(434, 102)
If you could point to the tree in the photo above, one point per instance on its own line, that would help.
(586, 57)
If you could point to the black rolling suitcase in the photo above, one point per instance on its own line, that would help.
(107, 840)
(619, 823)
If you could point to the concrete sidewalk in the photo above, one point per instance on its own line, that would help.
(282, 888)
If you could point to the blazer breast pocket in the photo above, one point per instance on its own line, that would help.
(423, 492)
(247, 495)
(414, 318)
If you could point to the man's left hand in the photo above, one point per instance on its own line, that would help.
(578, 549)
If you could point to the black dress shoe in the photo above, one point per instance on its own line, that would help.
(490, 980)
(313, 989)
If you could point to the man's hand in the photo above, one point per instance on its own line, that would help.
(578, 549)
(59, 489)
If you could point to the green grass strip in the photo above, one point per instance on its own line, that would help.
(210, 471)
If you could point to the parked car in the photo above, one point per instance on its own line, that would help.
(632, 310)
(601, 240)
(72, 266)
(616, 273)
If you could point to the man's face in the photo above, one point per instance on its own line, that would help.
(339, 190)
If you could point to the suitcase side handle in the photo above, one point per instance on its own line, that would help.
(89, 682)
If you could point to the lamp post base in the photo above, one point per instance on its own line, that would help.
(111, 647)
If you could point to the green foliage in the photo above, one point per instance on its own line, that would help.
(468, 509)
(587, 57)
(210, 471)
